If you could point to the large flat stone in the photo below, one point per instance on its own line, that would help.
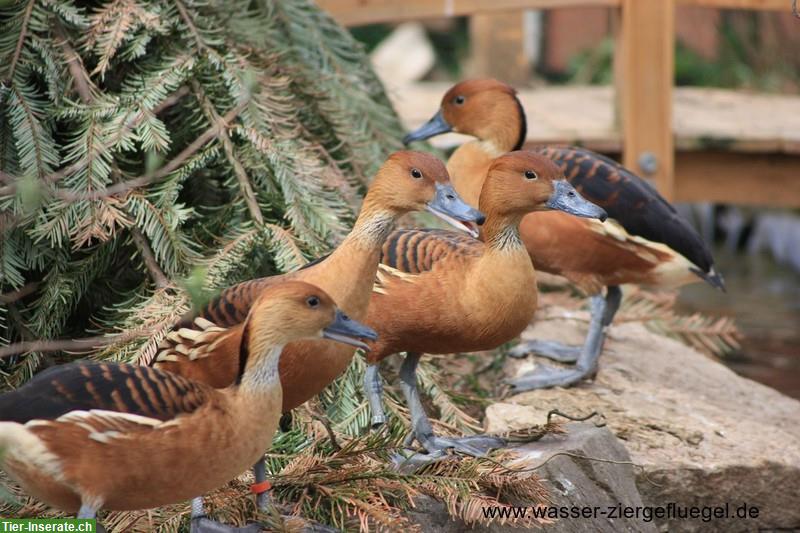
(702, 435)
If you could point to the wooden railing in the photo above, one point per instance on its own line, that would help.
(644, 82)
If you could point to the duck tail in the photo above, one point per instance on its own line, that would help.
(712, 277)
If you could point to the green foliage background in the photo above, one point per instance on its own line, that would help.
(249, 126)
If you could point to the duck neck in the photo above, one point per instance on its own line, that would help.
(371, 228)
(348, 274)
(501, 232)
(261, 373)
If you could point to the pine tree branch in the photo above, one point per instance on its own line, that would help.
(149, 259)
(22, 292)
(80, 77)
(22, 34)
(190, 24)
(168, 102)
(56, 345)
(211, 133)
(241, 175)
(83, 344)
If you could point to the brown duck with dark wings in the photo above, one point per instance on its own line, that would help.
(644, 242)
(86, 436)
(441, 292)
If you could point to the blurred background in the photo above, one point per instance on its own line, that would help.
(718, 132)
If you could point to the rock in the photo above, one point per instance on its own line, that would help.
(570, 480)
(702, 435)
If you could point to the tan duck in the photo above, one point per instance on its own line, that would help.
(440, 292)
(86, 436)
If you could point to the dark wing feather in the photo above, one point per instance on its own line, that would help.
(231, 306)
(417, 250)
(630, 200)
(116, 387)
(226, 310)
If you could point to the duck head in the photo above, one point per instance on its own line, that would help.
(487, 109)
(521, 182)
(296, 310)
(416, 181)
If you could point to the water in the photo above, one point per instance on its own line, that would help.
(764, 299)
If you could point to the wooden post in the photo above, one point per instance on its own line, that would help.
(644, 78)
(497, 44)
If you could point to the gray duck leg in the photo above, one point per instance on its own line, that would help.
(200, 523)
(373, 390)
(90, 512)
(603, 310)
(261, 486)
(476, 446)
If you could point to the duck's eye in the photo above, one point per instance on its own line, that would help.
(459, 100)
(531, 175)
(415, 173)
(312, 301)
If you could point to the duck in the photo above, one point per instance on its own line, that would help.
(87, 436)
(203, 346)
(440, 292)
(644, 242)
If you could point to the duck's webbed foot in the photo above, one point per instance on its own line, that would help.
(544, 377)
(438, 448)
(603, 309)
(473, 445)
(554, 350)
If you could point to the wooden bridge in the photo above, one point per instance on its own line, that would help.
(696, 144)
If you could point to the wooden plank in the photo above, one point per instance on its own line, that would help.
(357, 12)
(760, 5)
(498, 35)
(746, 179)
(736, 120)
(646, 56)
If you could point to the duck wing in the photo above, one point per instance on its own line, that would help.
(113, 387)
(414, 251)
(632, 202)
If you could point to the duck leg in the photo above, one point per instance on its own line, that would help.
(89, 511)
(603, 311)
(476, 446)
(373, 389)
(200, 523)
(261, 486)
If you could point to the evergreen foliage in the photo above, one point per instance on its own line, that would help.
(141, 138)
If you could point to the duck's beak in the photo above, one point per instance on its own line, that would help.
(435, 126)
(348, 331)
(566, 198)
(449, 206)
